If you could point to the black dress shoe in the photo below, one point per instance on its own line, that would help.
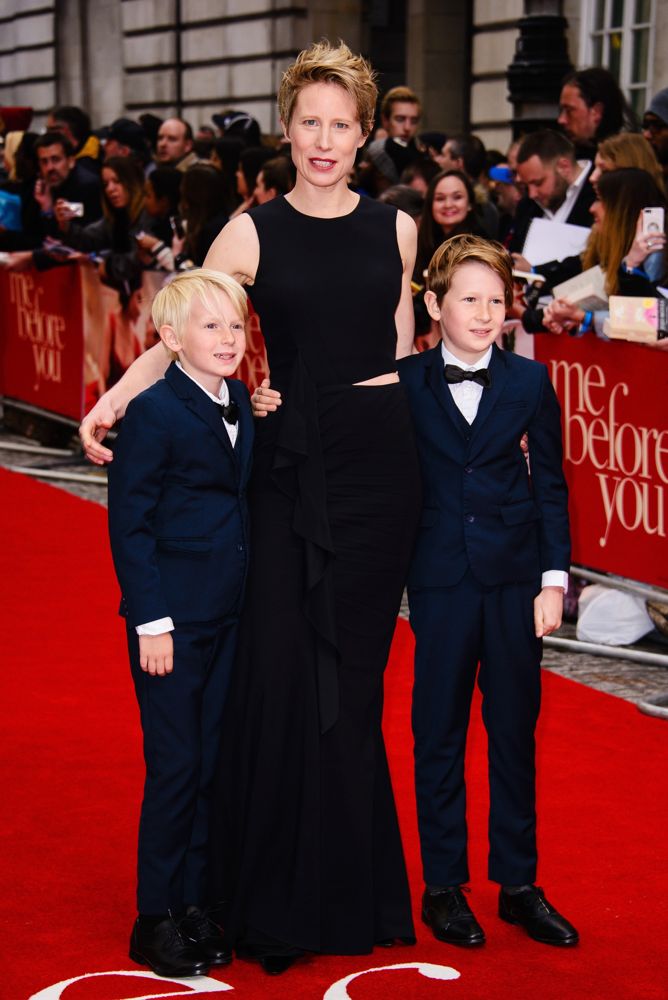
(198, 928)
(450, 917)
(165, 950)
(274, 965)
(531, 910)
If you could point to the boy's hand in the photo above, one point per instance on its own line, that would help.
(547, 610)
(156, 654)
(265, 400)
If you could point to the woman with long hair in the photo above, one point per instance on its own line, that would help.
(309, 851)
(634, 262)
(205, 208)
(449, 210)
(628, 149)
(113, 238)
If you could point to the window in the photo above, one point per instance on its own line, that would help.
(619, 35)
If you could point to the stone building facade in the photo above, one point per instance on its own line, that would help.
(197, 57)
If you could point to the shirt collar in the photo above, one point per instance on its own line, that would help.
(450, 359)
(585, 167)
(572, 190)
(223, 393)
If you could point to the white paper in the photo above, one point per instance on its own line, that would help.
(553, 241)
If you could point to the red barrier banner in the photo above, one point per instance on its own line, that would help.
(42, 343)
(67, 337)
(613, 399)
(254, 366)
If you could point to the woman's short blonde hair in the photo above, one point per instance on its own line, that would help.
(467, 249)
(325, 63)
(172, 304)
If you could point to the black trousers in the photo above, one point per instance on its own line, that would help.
(456, 628)
(181, 717)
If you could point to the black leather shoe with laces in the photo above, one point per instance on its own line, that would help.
(531, 910)
(206, 936)
(165, 950)
(450, 917)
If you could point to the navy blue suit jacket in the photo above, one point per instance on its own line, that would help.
(178, 520)
(482, 511)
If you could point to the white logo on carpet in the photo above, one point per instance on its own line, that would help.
(202, 984)
(198, 984)
(339, 991)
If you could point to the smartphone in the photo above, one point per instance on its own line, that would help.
(653, 220)
(76, 208)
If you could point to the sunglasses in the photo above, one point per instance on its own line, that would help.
(653, 125)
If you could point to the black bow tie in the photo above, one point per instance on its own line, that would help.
(230, 411)
(454, 374)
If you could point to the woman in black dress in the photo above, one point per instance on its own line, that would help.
(313, 858)
(308, 846)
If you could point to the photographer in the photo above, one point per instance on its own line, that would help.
(64, 188)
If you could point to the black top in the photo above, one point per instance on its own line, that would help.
(327, 289)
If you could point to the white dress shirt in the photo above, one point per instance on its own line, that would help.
(166, 624)
(467, 396)
(572, 193)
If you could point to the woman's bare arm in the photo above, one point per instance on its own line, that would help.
(110, 407)
(404, 318)
(236, 251)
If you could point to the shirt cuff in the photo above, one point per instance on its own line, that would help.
(555, 578)
(158, 627)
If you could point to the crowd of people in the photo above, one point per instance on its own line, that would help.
(305, 853)
(154, 194)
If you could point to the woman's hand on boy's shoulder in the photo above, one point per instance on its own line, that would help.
(265, 400)
(93, 431)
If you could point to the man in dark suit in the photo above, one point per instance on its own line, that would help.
(179, 535)
(557, 184)
(486, 583)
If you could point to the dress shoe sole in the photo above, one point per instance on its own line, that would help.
(162, 970)
(276, 965)
(475, 941)
(568, 942)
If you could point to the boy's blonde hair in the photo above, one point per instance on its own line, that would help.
(325, 63)
(171, 306)
(466, 249)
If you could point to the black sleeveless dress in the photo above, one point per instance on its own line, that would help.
(307, 843)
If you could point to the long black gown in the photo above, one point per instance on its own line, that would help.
(307, 843)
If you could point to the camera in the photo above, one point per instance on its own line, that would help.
(76, 208)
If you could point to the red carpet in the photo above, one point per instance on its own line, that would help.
(72, 782)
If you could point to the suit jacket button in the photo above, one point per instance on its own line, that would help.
(469, 468)
(469, 518)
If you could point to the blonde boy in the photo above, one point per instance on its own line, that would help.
(485, 584)
(179, 535)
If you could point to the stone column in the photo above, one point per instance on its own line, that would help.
(540, 63)
(437, 61)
